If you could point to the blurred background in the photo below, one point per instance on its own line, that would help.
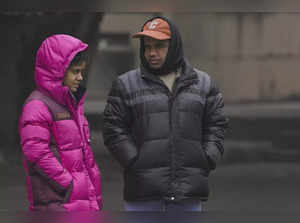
(254, 58)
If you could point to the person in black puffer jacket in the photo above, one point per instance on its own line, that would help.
(164, 122)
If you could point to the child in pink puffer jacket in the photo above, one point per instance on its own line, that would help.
(61, 170)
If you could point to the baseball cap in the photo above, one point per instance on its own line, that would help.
(157, 29)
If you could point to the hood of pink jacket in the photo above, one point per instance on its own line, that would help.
(53, 58)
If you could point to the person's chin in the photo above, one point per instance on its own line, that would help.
(74, 90)
(155, 67)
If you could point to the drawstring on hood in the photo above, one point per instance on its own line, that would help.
(174, 58)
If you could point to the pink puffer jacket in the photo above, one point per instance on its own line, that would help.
(55, 137)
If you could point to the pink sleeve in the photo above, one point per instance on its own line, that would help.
(35, 124)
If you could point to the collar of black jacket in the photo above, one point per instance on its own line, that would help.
(187, 72)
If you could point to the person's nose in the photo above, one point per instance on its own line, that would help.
(80, 76)
(152, 51)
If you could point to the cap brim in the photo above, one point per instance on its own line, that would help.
(152, 34)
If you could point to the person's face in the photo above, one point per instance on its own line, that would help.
(156, 52)
(74, 76)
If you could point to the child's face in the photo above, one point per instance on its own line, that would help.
(74, 76)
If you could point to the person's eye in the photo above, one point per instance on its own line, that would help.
(76, 71)
(161, 45)
(147, 47)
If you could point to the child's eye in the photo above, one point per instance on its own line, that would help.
(76, 71)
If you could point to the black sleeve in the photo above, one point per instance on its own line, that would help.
(215, 124)
(116, 127)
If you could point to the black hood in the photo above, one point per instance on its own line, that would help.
(174, 58)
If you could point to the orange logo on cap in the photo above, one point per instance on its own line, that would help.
(156, 29)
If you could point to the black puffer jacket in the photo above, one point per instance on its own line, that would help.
(166, 141)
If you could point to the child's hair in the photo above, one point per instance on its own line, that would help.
(80, 58)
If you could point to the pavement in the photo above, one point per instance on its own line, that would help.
(235, 188)
(252, 191)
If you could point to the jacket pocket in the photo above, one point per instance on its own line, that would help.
(43, 193)
(194, 154)
(78, 189)
(68, 193)
(205, 157)
(131, 165)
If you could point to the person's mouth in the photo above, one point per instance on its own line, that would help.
(154, 62)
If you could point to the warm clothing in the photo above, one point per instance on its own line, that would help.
(166, 141)
(55, 136)
(169, 79)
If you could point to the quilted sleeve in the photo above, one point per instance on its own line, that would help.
(35, 127)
